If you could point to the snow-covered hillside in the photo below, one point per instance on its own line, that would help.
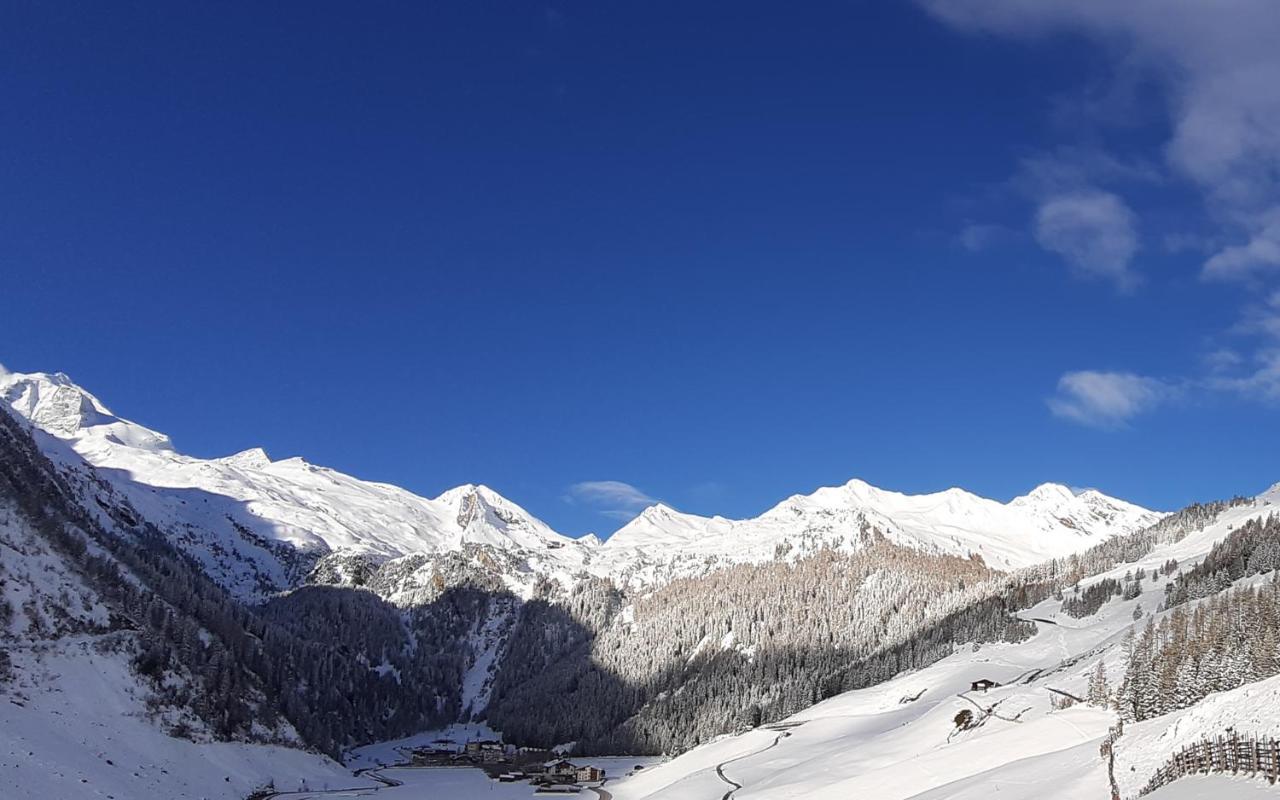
(900, 739)
(76, 718)
(259, 526)
(76, 724)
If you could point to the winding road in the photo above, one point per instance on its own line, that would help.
(734, 785)
(371, 773)
(374, 774)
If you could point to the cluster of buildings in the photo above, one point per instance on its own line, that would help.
(558, 776)
(448, 751)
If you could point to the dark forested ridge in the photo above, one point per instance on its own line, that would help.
(245, 668)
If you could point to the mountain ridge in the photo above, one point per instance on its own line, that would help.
(245, 507)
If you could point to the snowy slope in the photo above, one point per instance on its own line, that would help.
(75, 725)
(898, 739)
(1048, 522)
(75, 718)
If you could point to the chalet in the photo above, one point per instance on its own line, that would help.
(435, 751)
(484, 751)
(588, 774)
(421, 757)
(493, 755)
(480, 745)
(560, 770)
(982, 685)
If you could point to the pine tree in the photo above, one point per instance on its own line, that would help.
(1099, 692)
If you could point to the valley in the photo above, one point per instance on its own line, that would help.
(232, 626)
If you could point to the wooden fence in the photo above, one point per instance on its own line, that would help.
(1230, 753)
(1108, 751)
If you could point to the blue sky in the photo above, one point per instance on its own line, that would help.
(595, 254)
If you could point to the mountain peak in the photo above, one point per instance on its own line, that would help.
(253, 458)
(52, 401)
(1046, 493)
(658, 510)
(55, 404)
(460, 491)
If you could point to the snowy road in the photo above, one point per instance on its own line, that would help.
(735, 786)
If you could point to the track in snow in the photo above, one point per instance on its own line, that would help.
(371, 773)
(735, 786)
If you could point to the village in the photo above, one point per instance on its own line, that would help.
(546, 770)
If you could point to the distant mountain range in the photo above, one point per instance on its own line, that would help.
(260, 526)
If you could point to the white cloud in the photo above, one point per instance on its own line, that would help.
(1106, 399)
(4, 371)
(1222, 360)
(1218, 64)
(1094, 232)
(614, 499)
(1261, 381)
(611, 492)
(1242, 261)
(620, 514)
(1257, 376)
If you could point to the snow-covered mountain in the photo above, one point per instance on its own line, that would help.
(260, 526)
(1048, 522)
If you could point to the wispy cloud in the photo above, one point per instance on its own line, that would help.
(1224, 359)
(1094, 231)
(1252, 259)
(610, 492)
(620, 514)
(1218, 66)
(614, 499)
(1256, 375)
(4, 371)
(1107, 399)
(1250, 372)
